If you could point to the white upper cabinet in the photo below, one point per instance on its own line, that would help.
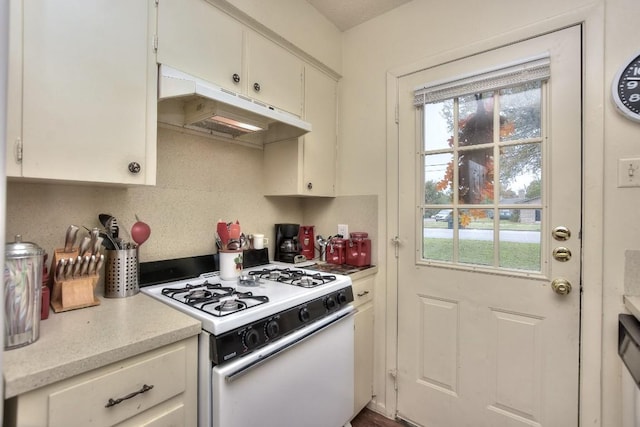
(87, 111)
(274, 75)
(307, 166)
(199, 39)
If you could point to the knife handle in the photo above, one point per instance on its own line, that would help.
(70, 238)
(99, 263)
(68, 269)
(59, 273)
(85, 245)
(85, 265)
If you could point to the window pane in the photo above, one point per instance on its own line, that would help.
(476, 238)
(475, 119)
(438, 125)
(437, 236)
(438, 176)
(475, 172)
(520, 112)
(520, 240)
(520, 173)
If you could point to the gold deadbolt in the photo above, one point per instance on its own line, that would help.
(561, 233)
(562, 254)
(561, 286)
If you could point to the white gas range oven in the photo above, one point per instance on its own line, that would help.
(276, 347)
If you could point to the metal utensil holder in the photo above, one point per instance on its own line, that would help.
(121, 273)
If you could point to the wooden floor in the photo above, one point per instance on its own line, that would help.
(369, 418)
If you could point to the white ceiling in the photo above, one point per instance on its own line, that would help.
(346, 14)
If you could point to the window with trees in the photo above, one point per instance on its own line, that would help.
(481, 153)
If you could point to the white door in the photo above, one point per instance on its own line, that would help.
(489, 216)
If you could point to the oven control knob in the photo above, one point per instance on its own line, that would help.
(251, 338)
(342, 298)
(304, 314)
(272, 329)
(330, 303)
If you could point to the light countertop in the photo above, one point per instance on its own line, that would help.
(78, 341)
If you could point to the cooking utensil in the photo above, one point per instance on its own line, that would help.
(85, 245)
(113, 228)
(234, 231)
(96, 245)
(68, 269)
(59, 273)
(103, 219)
(140, 232)
(223, 232)
(92, 265)
(75, 271)
(70, 238)
(99, 263)
(85, 265)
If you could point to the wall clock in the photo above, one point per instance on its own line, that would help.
(625, 89)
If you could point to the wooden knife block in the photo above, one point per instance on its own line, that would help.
(73, 293)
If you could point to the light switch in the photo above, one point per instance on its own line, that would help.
(629, 172)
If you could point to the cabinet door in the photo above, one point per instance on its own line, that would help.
(87, 111)
(199, 39)
(310, 159)
(363, 381)
(14, 91)
(277, 72)
(320, 144)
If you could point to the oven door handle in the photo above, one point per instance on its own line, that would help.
(229, 378)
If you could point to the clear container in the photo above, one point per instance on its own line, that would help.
(22, 293)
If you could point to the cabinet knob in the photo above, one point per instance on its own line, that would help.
(309, 186)
(256, 87)
(134, 167)
(236, 78)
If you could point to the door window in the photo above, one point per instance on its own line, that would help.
(481, 156)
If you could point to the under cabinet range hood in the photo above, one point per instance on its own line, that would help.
(192, 103)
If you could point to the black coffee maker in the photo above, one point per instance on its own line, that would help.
(287, 245)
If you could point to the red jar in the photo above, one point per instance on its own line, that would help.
(335, 251)
(358, 249)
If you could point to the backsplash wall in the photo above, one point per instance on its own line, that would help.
(199, 180)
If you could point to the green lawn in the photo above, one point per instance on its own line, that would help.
(487, 224)
(513, 255)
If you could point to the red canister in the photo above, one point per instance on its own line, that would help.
(358, 249)
(335, 251)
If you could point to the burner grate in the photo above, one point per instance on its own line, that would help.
(293, 277)
(214, 299)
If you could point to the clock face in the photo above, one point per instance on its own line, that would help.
(625, 89)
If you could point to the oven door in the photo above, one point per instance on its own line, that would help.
(305, 378)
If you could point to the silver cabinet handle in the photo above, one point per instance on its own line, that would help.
(113, 402)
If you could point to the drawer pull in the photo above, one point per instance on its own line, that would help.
(363, 293)
(113, 402)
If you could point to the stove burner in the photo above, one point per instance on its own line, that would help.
(231, 305)
(197, 295)
(305, 282)
(293, 277)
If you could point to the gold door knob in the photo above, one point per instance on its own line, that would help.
(562, 254)
(561, 286)
(561, 233)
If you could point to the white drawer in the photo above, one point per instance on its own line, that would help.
(84, 403)
(363, 290)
